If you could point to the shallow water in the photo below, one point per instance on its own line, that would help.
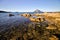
(6, 21)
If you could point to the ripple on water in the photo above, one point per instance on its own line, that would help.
(7, 21)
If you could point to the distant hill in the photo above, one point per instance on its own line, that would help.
(4, 12)
(38, 11)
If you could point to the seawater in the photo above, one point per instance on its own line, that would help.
(6, 21)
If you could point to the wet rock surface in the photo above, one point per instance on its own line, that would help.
(31, 31)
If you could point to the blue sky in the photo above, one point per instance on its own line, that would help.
(29, 5)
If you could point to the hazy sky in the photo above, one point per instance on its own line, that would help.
(30, 5)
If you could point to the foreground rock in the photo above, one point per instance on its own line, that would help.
(31, 31)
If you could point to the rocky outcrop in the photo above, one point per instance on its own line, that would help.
(37, 19)
(26, 15)
(11, 15)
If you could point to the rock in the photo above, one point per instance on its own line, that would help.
(53, 38)
(11, 15)
(37, 19)
(26, 15)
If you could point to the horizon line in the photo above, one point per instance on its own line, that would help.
(27, 11)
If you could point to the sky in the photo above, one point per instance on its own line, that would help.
(30, 5)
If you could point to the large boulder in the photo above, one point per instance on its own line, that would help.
(11, 15)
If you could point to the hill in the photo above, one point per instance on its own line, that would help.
(38, 11)
(4, 12)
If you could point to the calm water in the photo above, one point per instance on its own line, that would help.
(6, 21)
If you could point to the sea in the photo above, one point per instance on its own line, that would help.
(7, 21)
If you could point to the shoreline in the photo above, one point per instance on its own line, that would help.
(38, 29)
